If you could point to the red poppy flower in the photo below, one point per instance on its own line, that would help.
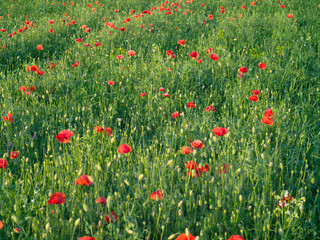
(166, 95)
(210, 108)
(254, 98)
(222, 10)
(206, 168)
(97, 44)
(175, 115)
(87, 238)
(268, 113)
(101, 200)
(243, 70)
(16, 230)
(210, 50)
(267, 120)
(214, 57)
(161, 89)
(190, 105)
(197, 144)
(285, 201)
(262, 65)
(290, 16)
(32, 88)
(219, 131)
(99, 129)
(64, 135)
(8, 117)
(108, 131)
(76, 64)
(157, 195)
(14, 154)
(224, 168)
(194, 55)
(170, 54)
(186, 150)
(22, 89)
(111, 218)
(122, 29)
(57, 198)
(111, 82)
(1, 225)
(282, 6)
(39, 47)
(181, 42)
(124, 148)
(120, 57)
(200, 61)
(84, 180)
(39, 72)
(183, 236)
(236, 237)
(131, 53)
(51, 22)
(34, 68)
(3, 163)
(210, 17)
(143, 94)
(256, 92)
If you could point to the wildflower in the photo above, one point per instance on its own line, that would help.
(197, 144)
(57, 198)
(8, 117)
(64, 135)
(220, 131)
(3, 163)
(157, 195)
(84, 180)
(111, 218)
(124, 148)
(14, 154)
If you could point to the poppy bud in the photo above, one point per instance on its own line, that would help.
(180, 203)
(187, 233)
(85, 207)
(238, 171)
(48, 226)
(14, 218)
(77, 222)
(240, 198)
(270, 165)
(140, 177)
(126, 182)
(171, 236)
(99, 168)
(179, 212)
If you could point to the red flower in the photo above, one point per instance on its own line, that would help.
(175, 115)
(262, 65)
(256, 92)
(64, 135)
(183, 236)
(22, 89)
(112, 218)
(131, 53)
(181, 42)
(111, 82)
(57, 198)
(210, 108)
(219, 131)
(268, 113)
(39, 47)
(14, 154)
(206, 168)
(267, 120)
(214, 57)
(186, 150)
(157, 195)
(120, 57)
(124, 148)
(122, 29)
(1, 225)
(170, 54)
(290, 16)
(143, 94)
(97, 44)
(285, 200)
(109, 131)
(101, 200)
(3, 163)
(52, 65)
(243, 7)
(190, 105)
(34, 68)
(210, 17)
(8, 117)
(194, 55)
(197, 144)
(76, 64)
(32, 88)
(225, 168)
(243, 70)
(84, 180)
(161, 89)
(200, 61)
(254, 98)
(51, 22)
(166, 95)
(99, 129)
(39, 72)
(209, 50)
(87, 238)
(236, 237)
(282, 6)
(79, 40)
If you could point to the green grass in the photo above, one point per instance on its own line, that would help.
(265, 161)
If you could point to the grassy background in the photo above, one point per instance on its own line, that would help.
(271, 159)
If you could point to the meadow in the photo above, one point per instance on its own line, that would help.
(187, 120)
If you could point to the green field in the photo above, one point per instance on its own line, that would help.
(209, 128)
